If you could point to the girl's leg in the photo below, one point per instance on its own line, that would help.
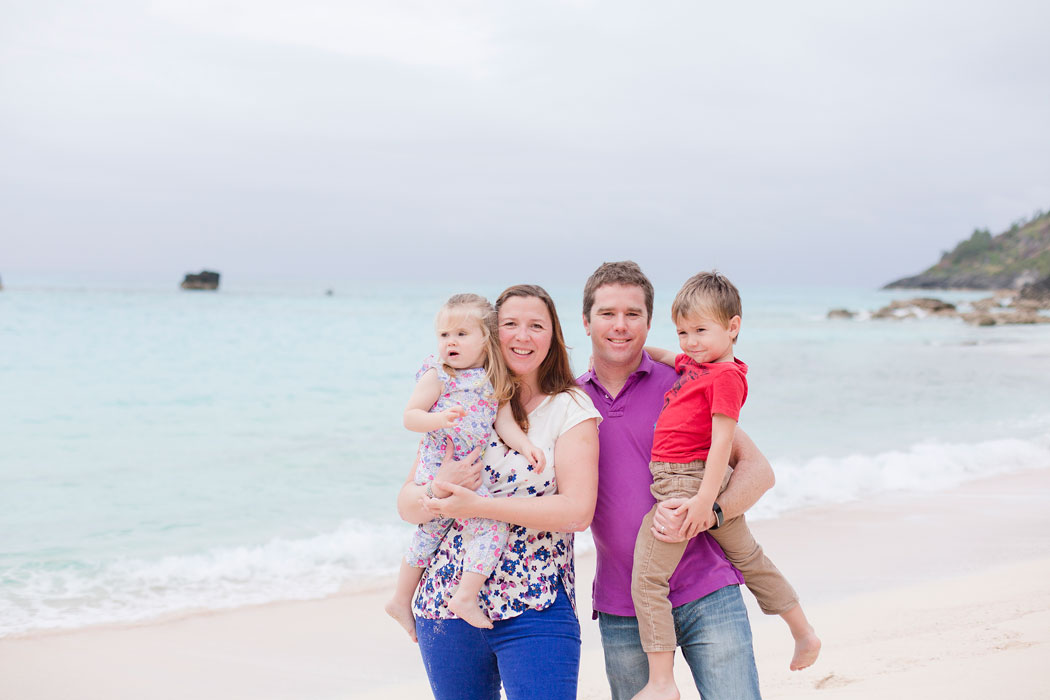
(425, 541)
(486, 540)
(465, 601)
(458, 660)
(399, 606)
(539, 652)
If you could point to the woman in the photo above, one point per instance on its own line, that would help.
(534, 645)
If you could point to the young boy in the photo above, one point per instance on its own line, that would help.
(690, 459)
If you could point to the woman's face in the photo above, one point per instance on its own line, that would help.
(525, 332)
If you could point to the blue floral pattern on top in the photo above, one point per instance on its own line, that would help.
(533, 561)
(485, 539)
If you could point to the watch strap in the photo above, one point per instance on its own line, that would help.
(719, 516)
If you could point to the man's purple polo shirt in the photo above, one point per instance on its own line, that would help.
(626, 438)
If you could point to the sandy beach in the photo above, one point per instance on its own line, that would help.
(940, 595)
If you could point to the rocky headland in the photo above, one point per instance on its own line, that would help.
(1010, 260)
(1014, 265)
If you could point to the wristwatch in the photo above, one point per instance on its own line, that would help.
(719, 517)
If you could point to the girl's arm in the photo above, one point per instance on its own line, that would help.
(570, 509)
(697, 509)
(515, 438)
(664, 357)
(466, 473)
(417, 414)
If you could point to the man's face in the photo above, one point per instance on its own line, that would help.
(618, 325)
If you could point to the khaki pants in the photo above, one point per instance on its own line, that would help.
(655, 561)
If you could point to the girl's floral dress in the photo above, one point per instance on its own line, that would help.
(483, 539)
(534, 562)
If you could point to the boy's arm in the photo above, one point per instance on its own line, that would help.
(752, 477)
(699, 515)
(664, 357)
(515, 438)
(417, 414)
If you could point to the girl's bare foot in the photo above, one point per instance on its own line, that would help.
(466, 608)
(652, 691)
(402, 612)
(807, 648)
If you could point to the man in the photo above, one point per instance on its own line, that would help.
(627, 388)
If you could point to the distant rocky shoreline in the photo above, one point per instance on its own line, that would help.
(1004, 307)
(1014, 265)
(1012, 259)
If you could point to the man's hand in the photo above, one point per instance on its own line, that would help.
(667, 523)
(465, 472)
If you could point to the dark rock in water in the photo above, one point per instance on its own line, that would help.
(205, 280)
(841, 313)
(1007, 317)
(328, 292)
(987, 304)
(1035, 295)
(916, 308)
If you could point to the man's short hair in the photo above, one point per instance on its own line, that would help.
(626, 273)
(708, 293)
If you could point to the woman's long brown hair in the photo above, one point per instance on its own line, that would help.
(555, 372)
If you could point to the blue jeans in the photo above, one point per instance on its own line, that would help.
(714, 635)
(536, 655)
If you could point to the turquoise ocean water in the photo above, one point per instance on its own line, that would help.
(164, 451)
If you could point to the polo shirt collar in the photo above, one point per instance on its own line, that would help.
(644, 367)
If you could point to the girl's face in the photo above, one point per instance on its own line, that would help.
(525, 333)
(461, 341)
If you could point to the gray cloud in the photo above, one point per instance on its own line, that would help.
(817, 141)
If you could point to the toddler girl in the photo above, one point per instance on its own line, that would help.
(459, 395)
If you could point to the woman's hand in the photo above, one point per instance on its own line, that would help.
(465, 472)
(459, 503)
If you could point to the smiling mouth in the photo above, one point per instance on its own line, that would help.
(518, 351)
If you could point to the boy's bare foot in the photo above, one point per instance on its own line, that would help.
(403, 614)
(652, 691)
(466, 608)
(807, 648)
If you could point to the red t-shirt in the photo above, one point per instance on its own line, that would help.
(683, 430)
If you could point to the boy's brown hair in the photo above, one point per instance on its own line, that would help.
(708, 293)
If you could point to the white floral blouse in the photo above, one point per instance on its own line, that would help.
(527, 575)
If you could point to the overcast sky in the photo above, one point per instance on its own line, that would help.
(828, 142)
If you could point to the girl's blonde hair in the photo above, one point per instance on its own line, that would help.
(478, 308)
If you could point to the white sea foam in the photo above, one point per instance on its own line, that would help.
(928, 466)
(127, 590)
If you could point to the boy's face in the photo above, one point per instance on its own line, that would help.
(705, 339)
(618, 325)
